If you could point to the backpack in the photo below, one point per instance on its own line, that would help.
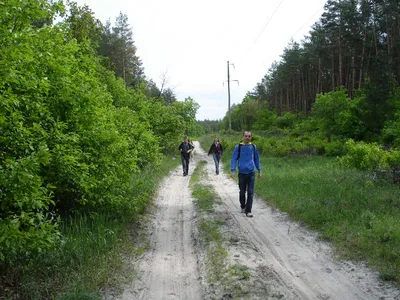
(240, 148)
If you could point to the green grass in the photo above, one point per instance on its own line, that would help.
(89, 256)
(205, 199)
(204, 194)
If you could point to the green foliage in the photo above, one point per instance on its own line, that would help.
(348, 84)
(337, 115)
(72, 136)
(266, 119)
(371, 156)
(277, 145)
(288, 120)
(27, 226)
(365, 156)
(117, 45)
(88, 254)
(335, 148)
(83, 26)
(391, 132)
(209, 126)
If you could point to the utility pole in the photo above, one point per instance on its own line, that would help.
(229, 96)
(229, 100)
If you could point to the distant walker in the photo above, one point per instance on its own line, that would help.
(216, 150)
(185, 148)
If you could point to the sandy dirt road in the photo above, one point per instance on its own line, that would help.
(282, 255)
(169, 269)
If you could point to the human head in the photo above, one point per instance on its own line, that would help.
(247, 137)
(216, 139)
(185, 138)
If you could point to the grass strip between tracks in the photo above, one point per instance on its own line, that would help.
(222, 275)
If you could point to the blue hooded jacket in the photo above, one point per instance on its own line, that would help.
(248, 161)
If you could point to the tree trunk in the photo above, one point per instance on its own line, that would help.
(319, 83)
(340, 48)
(362, 58)
(353, 74)
(333, 72)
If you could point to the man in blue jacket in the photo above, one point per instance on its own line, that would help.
(245, 155)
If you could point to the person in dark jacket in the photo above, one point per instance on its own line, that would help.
(185, 148)
(216, 150)
(245, 156)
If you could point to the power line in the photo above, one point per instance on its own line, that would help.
(321, 8)
(268, 21)
(265, 26)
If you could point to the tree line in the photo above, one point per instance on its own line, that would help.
(354, 46)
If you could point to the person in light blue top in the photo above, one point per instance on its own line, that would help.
(245, 157)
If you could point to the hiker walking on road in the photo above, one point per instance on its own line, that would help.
(216, 150)
(185, 148)
(245, 155)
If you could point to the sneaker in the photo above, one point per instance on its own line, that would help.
(184, 174)
(217, 172)
(243, 210)
(249, 215)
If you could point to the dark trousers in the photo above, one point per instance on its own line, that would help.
(217, 158)
(185, 163)
(246, 182)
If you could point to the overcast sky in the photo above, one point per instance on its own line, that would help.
(191, 41)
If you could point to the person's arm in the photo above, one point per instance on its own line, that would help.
(209, 151)
(180, 147)
(234, 159)
(257, 161)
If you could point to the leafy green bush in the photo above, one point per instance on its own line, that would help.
(72, 137)
(288, 120)
(335, 148)
(337, 115)
(391, 132)
(266, 119)
(365, 156)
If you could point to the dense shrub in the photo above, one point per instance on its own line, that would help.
(365, 156)
(337, 115)
(72, 137)
(391, 132)
(335, 148)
